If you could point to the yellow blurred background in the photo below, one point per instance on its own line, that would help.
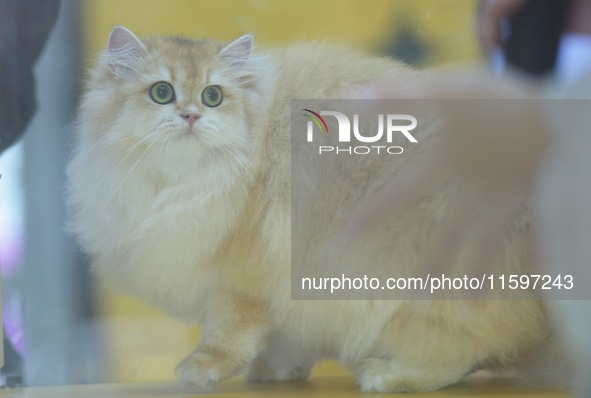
(445, 26)
(144, 343)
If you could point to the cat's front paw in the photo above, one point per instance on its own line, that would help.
(202, 369)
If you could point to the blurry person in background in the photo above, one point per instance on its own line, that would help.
(25, 27)
(547, 43)
(539, 38)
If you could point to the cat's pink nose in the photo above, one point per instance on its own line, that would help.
(190, 117)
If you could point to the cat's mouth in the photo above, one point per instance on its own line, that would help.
(189, 132)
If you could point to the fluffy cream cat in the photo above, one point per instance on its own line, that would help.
(180, 191)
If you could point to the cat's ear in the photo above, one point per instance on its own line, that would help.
(238, 52)
(124, 50)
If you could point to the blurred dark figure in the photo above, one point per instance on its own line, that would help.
(25, 26)
(536, 37)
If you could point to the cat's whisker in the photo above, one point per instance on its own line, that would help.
(259, 57)
(209, 150)
(122, 139)
(166, 153)
(162, 147)
(239, 160)
(246, 82)
(241, 156)
(228, 154)
(170, 139)
(229, 159)
(163, 128)
(127, 154)
(142, 140)
(242, 161)
(133, 168)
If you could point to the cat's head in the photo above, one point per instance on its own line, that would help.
(192, 95)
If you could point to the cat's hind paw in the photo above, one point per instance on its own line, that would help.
(383, 375)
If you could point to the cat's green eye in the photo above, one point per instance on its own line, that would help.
(162, 93)
(212, 96)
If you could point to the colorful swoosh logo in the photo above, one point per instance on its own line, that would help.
(316, 118)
